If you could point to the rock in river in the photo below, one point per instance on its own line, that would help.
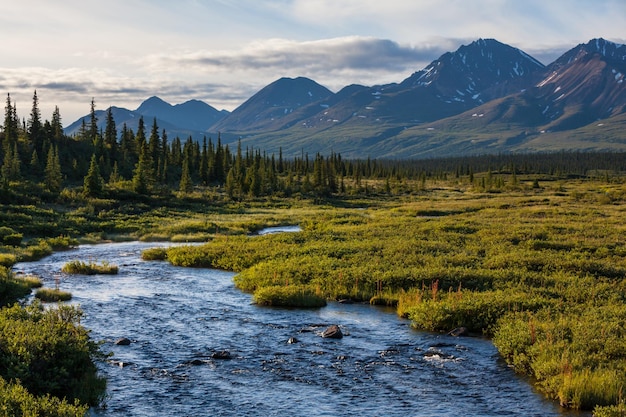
(332, 332)
(122, 342)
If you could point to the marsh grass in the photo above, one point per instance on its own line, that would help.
(89, 268)
(50, 295)
(531, 267)
(288, 296)
(32, 281)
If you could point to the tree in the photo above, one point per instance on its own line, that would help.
(53, 177)
(93, 122)
(110, 138)
(35, 131)
(92, 186)
(143, 175)
(186, 185)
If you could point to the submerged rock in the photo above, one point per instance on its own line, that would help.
(332, 332)
(122, 342)
(223, 354)
(459, 331)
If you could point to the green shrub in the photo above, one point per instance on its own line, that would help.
(7, 259)
(91, 268)
(14, 239)
(52, 295)
(50, 353)
(16, 401)
(154, 254)
(61, 243)
(288, 296)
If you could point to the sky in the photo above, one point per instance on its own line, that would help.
(121, 52)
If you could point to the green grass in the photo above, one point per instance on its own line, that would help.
(464, 256)
(288, 296)
(51, 295)
(89, 268)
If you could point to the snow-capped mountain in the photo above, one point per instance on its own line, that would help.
(484, 97)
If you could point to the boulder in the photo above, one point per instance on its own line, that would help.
(223, 354)
(332, 332)
(122, 342)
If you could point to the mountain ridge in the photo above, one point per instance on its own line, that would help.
(484, 97)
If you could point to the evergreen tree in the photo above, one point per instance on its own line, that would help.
(93, 184)
(35, 128)
(143, 176)
(186, 185)
(56, 125)
(93, 122)
(53, 177)
(110, 138)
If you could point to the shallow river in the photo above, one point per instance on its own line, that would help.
(177, 318)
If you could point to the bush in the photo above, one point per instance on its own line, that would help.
(52, 295)
(50, 353)
(91, 268)
(288, 296)
(16, 401)
(7, 259)
(154, 254)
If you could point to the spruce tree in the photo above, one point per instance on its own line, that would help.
(53, 177)
(92, 186)
(186, 185)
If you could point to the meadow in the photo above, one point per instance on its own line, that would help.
(538, 266)
(536, 262)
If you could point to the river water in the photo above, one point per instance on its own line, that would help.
(178, 319)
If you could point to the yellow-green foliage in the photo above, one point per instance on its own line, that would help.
(16, 401)
(12, 289)
(91, 268)
(52, 295)
(49, 353)
(154, 254)
(288, 296)
(454, 257)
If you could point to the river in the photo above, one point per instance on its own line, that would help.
(178, 318)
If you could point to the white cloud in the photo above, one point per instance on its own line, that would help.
(121, 52)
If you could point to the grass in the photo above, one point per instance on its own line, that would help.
(52, 295)
(90, 268)
(288, 296)
(541, 270)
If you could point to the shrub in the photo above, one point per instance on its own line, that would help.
(154, 254)
(15, 400)
(7, 259)
(52, 295)
(50, 353)
(288, 296)
(91, 268)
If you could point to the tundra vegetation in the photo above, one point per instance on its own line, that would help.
(526, 249)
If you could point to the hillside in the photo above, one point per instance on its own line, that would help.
(485, 97)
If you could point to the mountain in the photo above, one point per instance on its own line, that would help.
(273, 107)
(191, 118)
(192, 114)
(485, 97)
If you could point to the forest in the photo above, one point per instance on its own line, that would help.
(527, 249)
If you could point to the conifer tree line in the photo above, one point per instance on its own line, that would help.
(148, 161)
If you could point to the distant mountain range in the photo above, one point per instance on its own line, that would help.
(485, 97)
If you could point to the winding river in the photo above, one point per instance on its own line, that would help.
(179, 320)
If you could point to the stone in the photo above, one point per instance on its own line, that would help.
(122, 341)
(332, 332)
(223, 354)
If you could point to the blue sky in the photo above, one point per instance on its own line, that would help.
(121, 52)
